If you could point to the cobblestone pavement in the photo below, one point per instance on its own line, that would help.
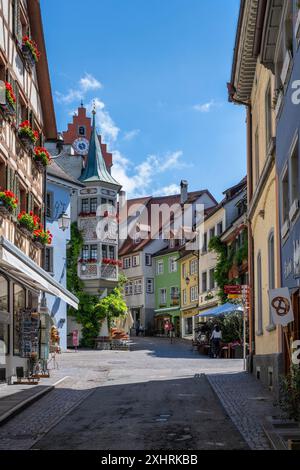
(26, 428)
(247, 403)
(155, 397)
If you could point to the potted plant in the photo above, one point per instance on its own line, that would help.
(42, 157)
(27, 135)
(9, 107)
(8, 202)
(30, 51)
(28, 222)
(42, 237)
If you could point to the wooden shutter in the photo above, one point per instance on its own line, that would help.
(17, 193)
(29, 202)
(17, 21)
(8, 177)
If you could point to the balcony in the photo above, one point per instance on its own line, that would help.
(97, 270)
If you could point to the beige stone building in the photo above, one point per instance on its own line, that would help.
(25, 102)
(253, 85)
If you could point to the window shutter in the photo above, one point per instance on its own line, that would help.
(12, 180)
(17, 193)
(17, 21)
(7, 177)
(29, 202)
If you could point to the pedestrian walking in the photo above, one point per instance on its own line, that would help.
(172, 332)
(216, 338)
(137, 328)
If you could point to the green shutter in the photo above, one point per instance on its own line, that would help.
(29, 202)
(7, 177)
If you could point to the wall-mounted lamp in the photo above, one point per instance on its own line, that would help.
(64, 222)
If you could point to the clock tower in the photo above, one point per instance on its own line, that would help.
(78, 136)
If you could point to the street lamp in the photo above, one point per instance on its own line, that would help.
(187, 280)
(64, 222)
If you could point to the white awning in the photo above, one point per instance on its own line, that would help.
(15, 262)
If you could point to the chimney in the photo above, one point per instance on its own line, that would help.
(183, 192)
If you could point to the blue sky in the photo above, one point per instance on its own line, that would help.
(158, 71)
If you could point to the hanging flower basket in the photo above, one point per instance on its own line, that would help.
(8, 202)
(42, 157)
(42, 237)
(28, 223)
(30, 51)
(27, 135)
(9, 108)
(109, 261)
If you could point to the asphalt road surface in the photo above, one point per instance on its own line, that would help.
(154, 397)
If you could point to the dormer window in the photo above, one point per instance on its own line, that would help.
(81, 131)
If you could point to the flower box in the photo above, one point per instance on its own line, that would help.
(41, 157)
(42, 237)
(8, 202)
(30, 51)
(9, 108)
(27, 135)
(28, 223)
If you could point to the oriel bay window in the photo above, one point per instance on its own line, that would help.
(85, 206)
(93, 205)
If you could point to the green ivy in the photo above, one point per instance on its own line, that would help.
(91, 312)
(224, 264)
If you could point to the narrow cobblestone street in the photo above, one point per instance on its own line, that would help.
(158, 396)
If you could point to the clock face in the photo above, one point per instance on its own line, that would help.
(81, 146)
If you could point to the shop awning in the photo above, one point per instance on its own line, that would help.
(225, 309)
(166, 311)
(17, 264)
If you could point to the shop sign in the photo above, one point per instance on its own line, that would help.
(281, 306)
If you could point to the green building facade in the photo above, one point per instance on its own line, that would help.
(167, 289)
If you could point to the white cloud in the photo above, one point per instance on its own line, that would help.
(130, 135)
(108, 128)
(205, 107)
(88, 82)
(167, 190)
(85, 84)
(139, 180)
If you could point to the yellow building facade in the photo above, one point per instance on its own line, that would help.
(189, 282)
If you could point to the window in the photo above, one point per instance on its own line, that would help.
(85, 206)
(204, 245)
(219, 229)
(148, 260)
(183, 269)
(126, 263)
(93, 204)
(268, 116)
(184, 297)
(272, 283)
(104, 251)
(94, 252)
(285, 196)
(163, 296)
(172, 243)
(159, 267)
(212, 279)
(19, 305)
(81, 131)
(85, 252)
(138, 287)
(212, 233)
(194, 293)
(188, 326)
(49, 202)
(49, 259)
(204, 282)
(3, 294)
(112, 252)
(130, 288)
(172, 265)
(259, 296)
(256, 150)
(294, 173)
(193, 267)
(174, 293)
(135, 261)
(150, 286)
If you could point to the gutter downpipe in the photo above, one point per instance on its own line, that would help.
(250, 238)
